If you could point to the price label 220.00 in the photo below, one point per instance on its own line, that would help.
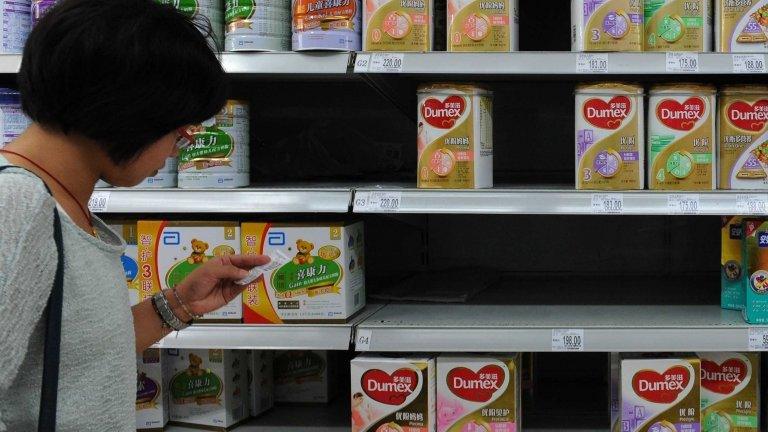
(374, 202)
(567, 339)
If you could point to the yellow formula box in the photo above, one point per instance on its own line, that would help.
(323, 278)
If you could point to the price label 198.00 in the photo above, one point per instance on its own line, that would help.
(567, 339)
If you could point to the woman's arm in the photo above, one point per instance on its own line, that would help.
(206, 289)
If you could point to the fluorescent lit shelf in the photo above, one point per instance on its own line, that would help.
(557, 200)
(606, 328)
(289, 199)
(267, 336)
(300, 63)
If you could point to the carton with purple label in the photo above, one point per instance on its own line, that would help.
(755, 266)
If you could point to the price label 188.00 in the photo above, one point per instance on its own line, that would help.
(749, 63)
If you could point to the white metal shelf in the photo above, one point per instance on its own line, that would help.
(544, 200)
(286, 62)
(10, 63)
(288, 199)
(267, 336)
(317, 418)
(552, 63)
(607, 328)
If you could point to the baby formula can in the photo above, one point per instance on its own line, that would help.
(455, 137)
(741, 26)
(743, 137)
(606, 25)
(218, 156)
(211, 9)
(166, 177)
(480, 25)
(13, 121)
(610, 136)
(678, 25)
(681, 137)
(398, 25)
(330, 25)
(16, 23)
(258, 25)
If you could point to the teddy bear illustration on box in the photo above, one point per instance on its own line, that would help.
(198, 252)
(304, 255)
(194, 368)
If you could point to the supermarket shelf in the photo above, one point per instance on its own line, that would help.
(294, 199)
(10, 63)
(273, 336)
(551, 63)
(318, 418)
(557, 200)
(323, 63)
(495, 328)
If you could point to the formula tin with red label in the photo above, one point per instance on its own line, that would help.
(743, 137)
(327, 25)
(393, 393)
(479, 392)
(730, 391)
(610, 137)
(455, 137)
(681, 137)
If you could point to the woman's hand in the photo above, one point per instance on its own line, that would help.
(212, 285)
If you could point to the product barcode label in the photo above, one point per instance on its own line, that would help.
(386, 63)
(362, 63)
(99, 202)
(758, 339)
(607, 203)
(592, 63)
(683, 204)
(749, 63)
(567, 339)
(363, 340)
(682, 62)
(377, 202)
(751, 204)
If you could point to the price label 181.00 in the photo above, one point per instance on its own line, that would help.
(607, 203)
(592, 63)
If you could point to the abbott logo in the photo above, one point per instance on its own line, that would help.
(276, 238)
(171, 238)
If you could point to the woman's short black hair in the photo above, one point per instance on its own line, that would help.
(122, 73)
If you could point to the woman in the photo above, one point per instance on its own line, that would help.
(107, 85)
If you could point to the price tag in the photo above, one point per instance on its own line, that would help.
(363, 340)
(99, 202)
(749, 63)
(758, 339)
(592, 63)
(386, 63)
(682, 62)
(567, 339)
(683, 204)
(607, 203)
(751, 204)
(378, 202)
(362, 63)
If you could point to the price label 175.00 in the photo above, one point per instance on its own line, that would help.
(682, 62)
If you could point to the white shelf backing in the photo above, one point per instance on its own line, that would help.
(286, 62)
(267, 336)
(318, 418)
(331, 199)
(10, 63)
(495, 328)
(503, 200)
(552, 63)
